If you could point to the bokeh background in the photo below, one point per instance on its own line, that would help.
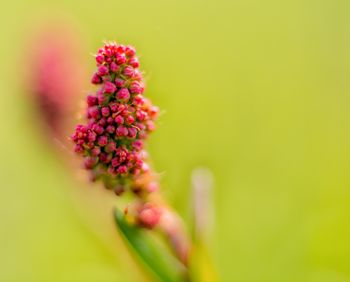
(257, 91)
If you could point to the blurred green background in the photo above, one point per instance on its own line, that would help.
(258, 91)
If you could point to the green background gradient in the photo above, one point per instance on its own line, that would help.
(258, 91)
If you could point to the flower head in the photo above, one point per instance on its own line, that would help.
(119, 118)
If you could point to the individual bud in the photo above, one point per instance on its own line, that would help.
(110, 120)
(78, 149)
(91, 100)
(150, 125)
(93, 112)
(105, 111)
(90, 162)
(115, 162)
(141, 115)
(102, 70)
(119, 82)
(122, 131)
(96, 79)
(91, 137)
(105, 158)
(114, 67)
(137, 75)
(99, 59)
(128, 71)
(130, 119)
(136, 87)
(137, 145)
(109, 87)
(121, 59)
(154, 112)
(123, 94)
(130, 51)
(132, 132)
(119, 119)
(122, 169)
(114, 107)
(102, 122)
(110, 129)
(134, 62)
(95, 151)
(97, 128)
(149, 216)
(138, 100)
(102, 141)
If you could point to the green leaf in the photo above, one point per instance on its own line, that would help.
(164, 266)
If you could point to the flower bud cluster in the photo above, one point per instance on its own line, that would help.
(119, 119)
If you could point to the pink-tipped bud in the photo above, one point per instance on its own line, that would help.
(105, 111)
(122, 169)
(149, 216)
(94, 112)
(128, 71)
(95, 151)
(137, 145)
(99, 59)
(130, 119)
(102, 70)
(122, 131)
(121, 59)
(96, 79)
(102, 141)
(119, 82)
(109, 87)
(134, 62)
(138, 100)
(123, 94)
(130, 51)
(97, 128)
(119, 119)
(90, 162)
(136, 87)
(110, 129)
(132, 132)
(114, 67)
(91, 100)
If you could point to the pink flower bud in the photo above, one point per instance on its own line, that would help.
(110, 129)
(91, 100)
(122, 169)
(130, 51)
(136, 87)
(99, 59)
(130, 119)
(105, 111)
(132, 132)
(128, 71)
(95, 151)
(96, 79)
(121, 59)
(90, 162)
(123, 94)
(98, 129)
(119, 119)
(109, 87)
(94, 112)
(102, 141)
(102, 70)
(122, 131)
(134, 62)
(119, 82)
(114, 67)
